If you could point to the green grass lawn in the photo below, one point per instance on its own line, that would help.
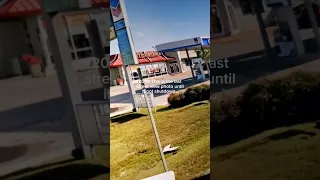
(291, 153)
(134, 153)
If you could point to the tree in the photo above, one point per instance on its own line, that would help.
(204, 54)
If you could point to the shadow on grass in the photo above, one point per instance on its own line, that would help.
(71, 171)
(233, 130)
(290, 133)
(164, 109)
(186, 105)
(200, 103)
(12, 152)
(205, 177)
(126, 117)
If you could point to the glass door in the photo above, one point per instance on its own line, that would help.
(232, 16)
(216, 26)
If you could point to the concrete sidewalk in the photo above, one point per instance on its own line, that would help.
(34, 145)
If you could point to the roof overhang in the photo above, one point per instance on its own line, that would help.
(21, 8)
(191, 44)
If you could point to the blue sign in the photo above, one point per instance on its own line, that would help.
(119, 25)
(206, 41)
(114, 3)
(125, 47)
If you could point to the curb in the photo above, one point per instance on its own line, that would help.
(124, 111)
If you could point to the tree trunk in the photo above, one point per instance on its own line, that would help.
(207, 65)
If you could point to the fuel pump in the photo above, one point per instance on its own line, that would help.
(198, 68)
(284, 44)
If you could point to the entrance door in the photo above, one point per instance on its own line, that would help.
(174, 68)
(216, 25)
(232, 16)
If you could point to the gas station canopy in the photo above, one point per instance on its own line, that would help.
(192, 43)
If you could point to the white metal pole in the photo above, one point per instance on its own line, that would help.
(292, 22)
(130, 86)
(49, 69)
(153, 122)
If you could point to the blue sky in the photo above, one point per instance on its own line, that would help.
(158, 21)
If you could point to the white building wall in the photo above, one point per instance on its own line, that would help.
(183, 55)
(114, 74)
(179, 55)
(246, 22)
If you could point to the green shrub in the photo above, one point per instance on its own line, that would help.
(191, 95)
(266, 104)
(203, 92)
(176, 99)
(280, 101)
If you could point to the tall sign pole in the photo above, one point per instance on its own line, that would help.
(125, 42)
(152, 121)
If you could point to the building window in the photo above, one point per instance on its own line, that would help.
(216, 26)
(246, 6)
(80, 41)
(156, 69)
(150, 70)
(163, 68)
(144, 71)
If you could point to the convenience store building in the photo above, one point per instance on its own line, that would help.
(22, 31)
